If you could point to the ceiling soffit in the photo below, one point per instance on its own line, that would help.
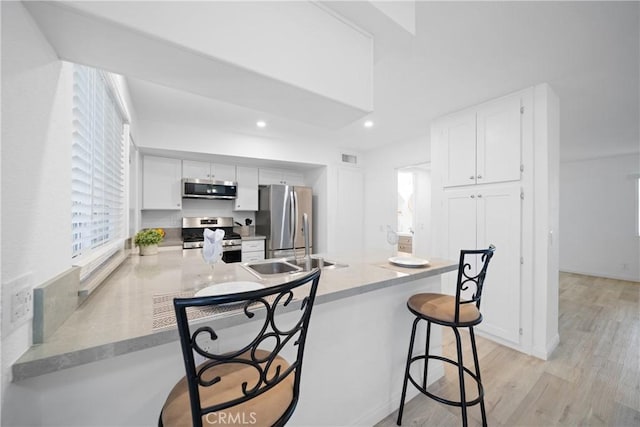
(294, 71)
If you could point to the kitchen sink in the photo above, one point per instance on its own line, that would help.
(315, 262)
(273, 267)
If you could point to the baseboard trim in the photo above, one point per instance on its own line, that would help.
(502, 341)
(604, 276)
(544, 354)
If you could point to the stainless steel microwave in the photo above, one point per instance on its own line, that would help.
(208, 189)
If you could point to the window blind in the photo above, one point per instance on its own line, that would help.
(97, 163)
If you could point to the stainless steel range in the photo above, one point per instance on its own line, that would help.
(193, 236)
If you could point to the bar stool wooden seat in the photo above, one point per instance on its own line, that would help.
(459, 311)
(253, 385)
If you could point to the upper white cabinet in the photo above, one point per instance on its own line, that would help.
(161, 183)
(198, 170)
(484, 144)
(280, 176)
(206, 170)
(458, 136)
(247, 189)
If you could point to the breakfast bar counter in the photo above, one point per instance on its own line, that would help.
(132, 310)
(122, 343)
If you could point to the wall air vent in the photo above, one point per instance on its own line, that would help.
(349, 158)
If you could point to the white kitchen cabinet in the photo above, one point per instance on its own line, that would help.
(476, 218)
(207, 170)
(247, 189)
(517, 210)
(252, 250)
(484, 144)
(161, 183)
(458, 136)
(280, 176)
(196, 170)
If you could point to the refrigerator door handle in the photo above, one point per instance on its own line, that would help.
(293, 224)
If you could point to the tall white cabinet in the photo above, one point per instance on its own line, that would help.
(476, 218)
(486, 174)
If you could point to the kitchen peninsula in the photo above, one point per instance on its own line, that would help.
(358, 326)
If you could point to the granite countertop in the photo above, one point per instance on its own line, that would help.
(129, 311)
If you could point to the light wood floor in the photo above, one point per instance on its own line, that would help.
(591, 379)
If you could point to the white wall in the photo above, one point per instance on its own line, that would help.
(193, 208)
(598, 217)
(380, 192)
(37, 91)
(36, 163)
(349, 211)
(546, 224)
(1, 300)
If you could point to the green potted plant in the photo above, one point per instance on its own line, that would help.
(148, 240)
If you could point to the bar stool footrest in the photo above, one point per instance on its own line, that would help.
(442, 399)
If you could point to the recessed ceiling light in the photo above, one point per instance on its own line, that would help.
(261, 123)
(368, 124)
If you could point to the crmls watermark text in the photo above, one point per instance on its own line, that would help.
(223, 418)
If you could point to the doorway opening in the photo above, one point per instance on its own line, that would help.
(414, 209)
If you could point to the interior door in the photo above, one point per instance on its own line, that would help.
(348, 229)
(422, 244)
(499, 220)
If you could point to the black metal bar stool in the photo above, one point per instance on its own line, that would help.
(461, 311)
(252, 385)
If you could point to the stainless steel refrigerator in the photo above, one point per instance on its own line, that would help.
(279, 218)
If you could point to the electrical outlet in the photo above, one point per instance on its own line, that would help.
(17, 303)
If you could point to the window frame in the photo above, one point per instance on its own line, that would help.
(91, 253)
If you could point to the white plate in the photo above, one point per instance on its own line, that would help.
(228, 288)
(408, 261)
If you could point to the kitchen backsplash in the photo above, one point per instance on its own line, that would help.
(193, 208)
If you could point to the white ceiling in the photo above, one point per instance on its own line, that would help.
(464, 53)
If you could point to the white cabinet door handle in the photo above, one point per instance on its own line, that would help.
(472, 177)
(479, 196)
(479, 176)
(473, 197)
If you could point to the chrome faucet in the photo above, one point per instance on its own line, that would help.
(307, 251)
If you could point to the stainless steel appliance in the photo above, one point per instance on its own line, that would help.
(208, 189)
(193, 236)
(279, 218)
